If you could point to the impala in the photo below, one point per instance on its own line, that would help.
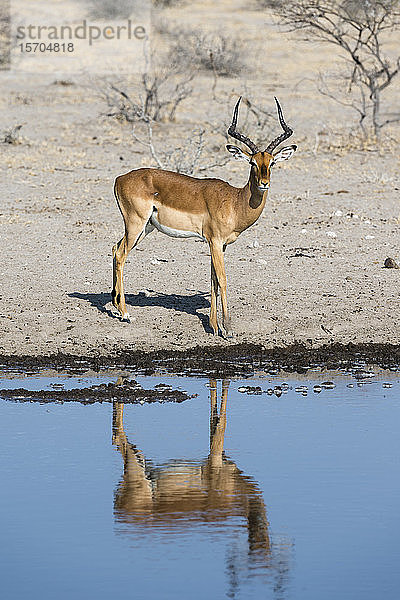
(210, 209)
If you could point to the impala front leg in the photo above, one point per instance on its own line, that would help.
(214, 300)
(217, 258)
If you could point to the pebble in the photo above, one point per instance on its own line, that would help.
(273, 371)
(387, 385)
(253, 390)
(328, 385)
(390, 263)
(157, 261)
(317, 389)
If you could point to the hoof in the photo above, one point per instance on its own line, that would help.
(126, 317)
(227, 335)
(213, 328)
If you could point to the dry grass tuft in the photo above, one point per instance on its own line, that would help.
(212, 51)
(12, 135)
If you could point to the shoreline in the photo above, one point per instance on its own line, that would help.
(239, 360)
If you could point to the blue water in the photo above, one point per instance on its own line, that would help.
(303, 504)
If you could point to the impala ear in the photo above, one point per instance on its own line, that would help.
(285, 153)
(238, 153)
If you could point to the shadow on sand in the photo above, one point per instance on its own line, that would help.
(185, 304)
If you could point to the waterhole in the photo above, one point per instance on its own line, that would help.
(172, 487)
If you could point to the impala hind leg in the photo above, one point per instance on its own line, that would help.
(134, 233)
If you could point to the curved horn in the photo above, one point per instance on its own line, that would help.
(235, 134)
(284, 136)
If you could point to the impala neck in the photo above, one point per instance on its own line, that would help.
(253, 198)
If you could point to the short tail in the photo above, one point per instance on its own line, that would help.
(116, 195)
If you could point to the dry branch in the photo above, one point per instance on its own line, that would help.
(359, 28)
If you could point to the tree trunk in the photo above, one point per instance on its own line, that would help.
(376, 101)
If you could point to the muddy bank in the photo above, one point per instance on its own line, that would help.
(124, 390)
(241, 360)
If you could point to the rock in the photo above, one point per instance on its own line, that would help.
(362, 374)
(390, 263)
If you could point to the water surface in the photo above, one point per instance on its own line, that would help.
(224, 495)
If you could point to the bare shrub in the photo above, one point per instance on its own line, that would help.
(110, 9)
(342, 141)
(5, 34)
(193, 156)
(274, 4)
(208, 51)
(156, 97)
(63, 82)
(164, 26)
(359, 28)
(187, 158)
(167, 3)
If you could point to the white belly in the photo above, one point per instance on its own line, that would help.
(175, 233)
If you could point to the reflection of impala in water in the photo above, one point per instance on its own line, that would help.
(183, 493)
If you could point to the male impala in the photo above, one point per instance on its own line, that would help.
(210, 209)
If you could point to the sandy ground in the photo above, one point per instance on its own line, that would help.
(311, 269)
